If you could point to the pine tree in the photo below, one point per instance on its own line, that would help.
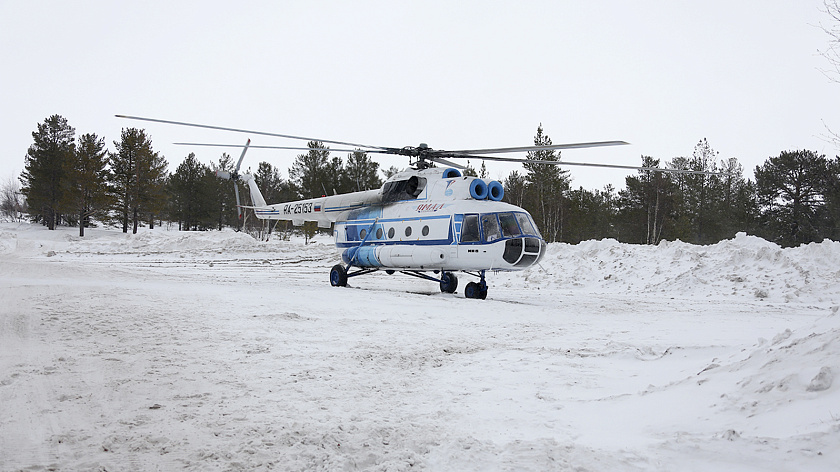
(547, 188)
(791, 189)
(591, 214)
(516, 188)
(86, 191)
(831, 227)
(362, 172)
(139, 179)
(335, 178)
(469, 170)
(224, 198)
(45, 169)
(701, 206)
(309, 170)
(192, 194)
(482, 171)
(154, 198)
(695, 195)
(272, 185)
(647, 205)
(737, 205)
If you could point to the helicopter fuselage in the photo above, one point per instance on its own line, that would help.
(431, 219)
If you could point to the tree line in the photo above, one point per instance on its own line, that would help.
(794, 199)
(76, 181)
(69, 180)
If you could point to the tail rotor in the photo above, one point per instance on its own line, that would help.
(234, 176)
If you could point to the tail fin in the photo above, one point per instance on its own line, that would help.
(256, 196)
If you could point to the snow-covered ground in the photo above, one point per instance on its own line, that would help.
(211, 351)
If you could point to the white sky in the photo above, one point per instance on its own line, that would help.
(659, 74)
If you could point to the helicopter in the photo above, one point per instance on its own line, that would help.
(426, 221)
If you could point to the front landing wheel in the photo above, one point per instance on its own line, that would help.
(338, 276)
(475, 290)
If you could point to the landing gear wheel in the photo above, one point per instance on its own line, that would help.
(448, 282)
(476, 290)
(472, 290)
(338, 276)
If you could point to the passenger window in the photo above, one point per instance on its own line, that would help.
(379, 233)
(407, 231)
(426, 230)
(509, 226)
(391, 233)
(363, 233)
(469, 229)
(491, 227)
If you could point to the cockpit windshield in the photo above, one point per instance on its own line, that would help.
(495, 226)
(509, 226)
(491, 227)
(527, 225)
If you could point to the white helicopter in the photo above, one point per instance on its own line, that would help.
(427, 222)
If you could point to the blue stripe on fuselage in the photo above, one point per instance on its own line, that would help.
(368, 221)
(415, 242)
(366, 225)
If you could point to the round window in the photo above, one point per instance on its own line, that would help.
(407, 231)
(425, 231)
(391, 233)
(379, 233)
(362, 233)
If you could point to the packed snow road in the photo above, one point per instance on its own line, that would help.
(211, 351)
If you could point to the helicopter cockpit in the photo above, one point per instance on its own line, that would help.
(524, 245)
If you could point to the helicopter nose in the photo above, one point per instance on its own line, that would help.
(524, 252)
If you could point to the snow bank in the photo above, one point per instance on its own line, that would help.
(745, 266)
(169, 241)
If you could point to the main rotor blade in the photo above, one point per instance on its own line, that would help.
(242, 156)
(293, 148)
(550, 147)
(589, 164)
(447, 163)
(237, 130)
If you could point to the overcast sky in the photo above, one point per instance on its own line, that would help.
(661, 75)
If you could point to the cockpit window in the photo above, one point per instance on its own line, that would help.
(509, 226)
(491, 227)
(526, 224)
(469, 229)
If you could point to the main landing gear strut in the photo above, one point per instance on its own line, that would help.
(448, 281)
